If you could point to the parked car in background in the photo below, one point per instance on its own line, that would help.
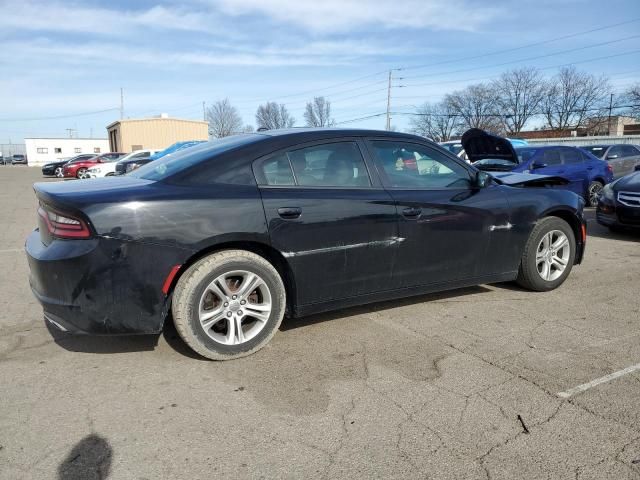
(56, 169)
(78, 168)
(5, 160)
(455, 146)
(619, 203)
(586, 174)
(623, 158)
(18, 159)
(129, 165)
(109, 169)
(229, 234)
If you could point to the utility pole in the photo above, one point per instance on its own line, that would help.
(121, 103)
(204, 112)
(609, 119)
(70, 130)
(388, 127)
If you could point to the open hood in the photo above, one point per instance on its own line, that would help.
(479, 145)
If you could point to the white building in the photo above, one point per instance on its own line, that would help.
(44, 150)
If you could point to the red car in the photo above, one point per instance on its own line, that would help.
(78, 168)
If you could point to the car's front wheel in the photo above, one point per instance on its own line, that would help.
(548, 255)
(228, 304)
(59, 172)
(593, 193)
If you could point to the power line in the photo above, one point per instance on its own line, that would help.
(537, 57)
(35, 119)
(522, 47)
(361, 118)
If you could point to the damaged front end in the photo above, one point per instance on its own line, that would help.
(528, 179)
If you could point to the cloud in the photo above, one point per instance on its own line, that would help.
(338, 16)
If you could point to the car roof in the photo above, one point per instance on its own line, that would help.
(319, 133)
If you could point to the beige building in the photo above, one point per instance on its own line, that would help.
(157, 132)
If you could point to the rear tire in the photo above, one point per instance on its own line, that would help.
(593, 191)
(81, 173)
(548, 255)
(214, 314)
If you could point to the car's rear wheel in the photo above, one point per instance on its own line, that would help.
(229, 304)
(548, 255)
(593, 192)
(59, 172)
(81, 173)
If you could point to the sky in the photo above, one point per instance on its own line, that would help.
(63, 63)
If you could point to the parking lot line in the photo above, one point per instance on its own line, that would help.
(607, 378)
(12, 250)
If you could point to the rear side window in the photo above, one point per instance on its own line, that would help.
(327, 165)
(571, 156)
(630, 151)
(552, 157)
(615, 152)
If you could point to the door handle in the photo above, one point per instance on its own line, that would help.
(411, 212)
(589, 168)
(290, 213)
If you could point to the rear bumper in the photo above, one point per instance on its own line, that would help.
(100, 286)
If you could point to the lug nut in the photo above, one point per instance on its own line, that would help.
(234, 297)
(226, 304)
(229, 314)
(242, 302)
(240, 312)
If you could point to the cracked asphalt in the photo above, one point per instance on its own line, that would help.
(456, 385)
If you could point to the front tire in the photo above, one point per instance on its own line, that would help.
(548, 255)
(58, 172)
(593, 192)
(229, 304)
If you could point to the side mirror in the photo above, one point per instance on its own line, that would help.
(612, 157)
(482, 180)
(538, 165)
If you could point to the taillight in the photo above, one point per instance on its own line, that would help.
(609, 167)
(63, 225)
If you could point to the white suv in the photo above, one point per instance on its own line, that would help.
(109, 169)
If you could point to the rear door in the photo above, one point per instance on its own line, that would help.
(550, 161)
(631, 158)
(576, 171)
(449, 231)
(330, 218)
(616, 158)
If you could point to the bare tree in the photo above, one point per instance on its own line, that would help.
(436, 121)
(224, 119)
(247, 129)
(272, 116)
(519, 93)
(572, 97)
(476, 107)
(318, 113)
(632, 98)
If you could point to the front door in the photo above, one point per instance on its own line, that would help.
(449, 230)
(336, 227)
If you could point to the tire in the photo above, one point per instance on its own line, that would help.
(529, 274)
(58, 172)
(593, 190)
(195, 291)
(81, 173)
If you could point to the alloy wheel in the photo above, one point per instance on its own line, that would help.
(59, 172)
(235, 307)
(552, 255)
(594, 192)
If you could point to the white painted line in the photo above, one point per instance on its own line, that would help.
(607, 378)
(12, 250)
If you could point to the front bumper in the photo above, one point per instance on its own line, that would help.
(101, 286)
(48, 171)
(617, 215)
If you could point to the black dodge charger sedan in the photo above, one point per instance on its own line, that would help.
(619, 203)
(231, 235)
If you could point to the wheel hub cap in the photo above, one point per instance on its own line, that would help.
(552, 255)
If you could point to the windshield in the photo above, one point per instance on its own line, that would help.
(181, 160)
(597, 150)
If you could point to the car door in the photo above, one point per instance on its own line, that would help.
(631, 158)
(550, 161)
(449, 231)
(576, 170)
(330, 218)
(616, 158)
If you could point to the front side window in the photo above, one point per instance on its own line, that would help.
(615, 152)
(630, 150)
(408, 165)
